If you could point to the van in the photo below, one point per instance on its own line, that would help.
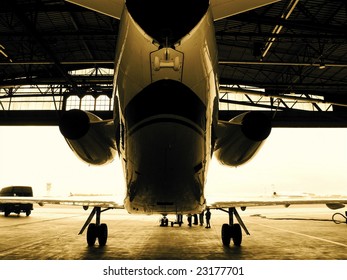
(17, 208)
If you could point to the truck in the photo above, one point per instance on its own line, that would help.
(17, 208)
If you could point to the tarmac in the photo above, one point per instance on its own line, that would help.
(276, 233)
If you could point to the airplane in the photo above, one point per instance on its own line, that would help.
(165, 126)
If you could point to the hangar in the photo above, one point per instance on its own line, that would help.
(288, 59)
(272, 59)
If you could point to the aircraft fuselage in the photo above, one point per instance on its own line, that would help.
(167, 102)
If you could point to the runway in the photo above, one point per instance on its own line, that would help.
(277, 233)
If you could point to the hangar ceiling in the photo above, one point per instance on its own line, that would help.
(288, 58)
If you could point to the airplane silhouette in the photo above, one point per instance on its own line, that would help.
(165, 126)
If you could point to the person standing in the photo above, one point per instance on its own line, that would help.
(208, 218)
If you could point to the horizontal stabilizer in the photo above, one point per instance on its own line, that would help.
(220, 8)
(225, 8)
(112, 8)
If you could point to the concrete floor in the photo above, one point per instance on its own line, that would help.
(277, 233)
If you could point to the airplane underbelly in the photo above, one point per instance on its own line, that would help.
(165, 170)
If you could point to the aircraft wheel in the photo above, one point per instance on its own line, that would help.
(91, 234)
(226, 234)
(237, 234)
(102, 234)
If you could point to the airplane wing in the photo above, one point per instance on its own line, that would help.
(233, 231)
(81, 201)
(332, 203)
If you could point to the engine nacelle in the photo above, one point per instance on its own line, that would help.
(90, 138)
(239, 139)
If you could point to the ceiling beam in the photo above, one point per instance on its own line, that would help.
(288, 119)
(273, 63)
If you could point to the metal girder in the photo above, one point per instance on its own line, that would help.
(291, 24)
(288, 119)
(280, 63)
(319, 88)
(39, 117)
(293, 98)
(20, 14)
(79, 79)
(298, 119)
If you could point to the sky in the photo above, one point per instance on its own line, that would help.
(291, 161)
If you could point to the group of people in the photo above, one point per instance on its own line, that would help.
(164, 221)
(201, 218)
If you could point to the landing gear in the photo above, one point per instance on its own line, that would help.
(164, 222)
(91, 234)
(179, 220)
(231, 230)
(103, 234)
(96, 231)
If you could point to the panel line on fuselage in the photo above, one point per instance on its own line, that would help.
(166, 119)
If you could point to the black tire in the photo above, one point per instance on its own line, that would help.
(27, 213)
(91, 234)
(7, 213)
(237, 234)
(102, 234)
(226, 234)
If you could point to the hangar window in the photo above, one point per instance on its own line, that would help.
(89, 103)
(103, 103)
(73, 102)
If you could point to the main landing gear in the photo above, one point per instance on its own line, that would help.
(95, 231)
(231, 230)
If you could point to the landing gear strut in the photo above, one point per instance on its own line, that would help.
(96, 231)
(231, 230)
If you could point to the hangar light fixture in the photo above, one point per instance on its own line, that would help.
(322, 64)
